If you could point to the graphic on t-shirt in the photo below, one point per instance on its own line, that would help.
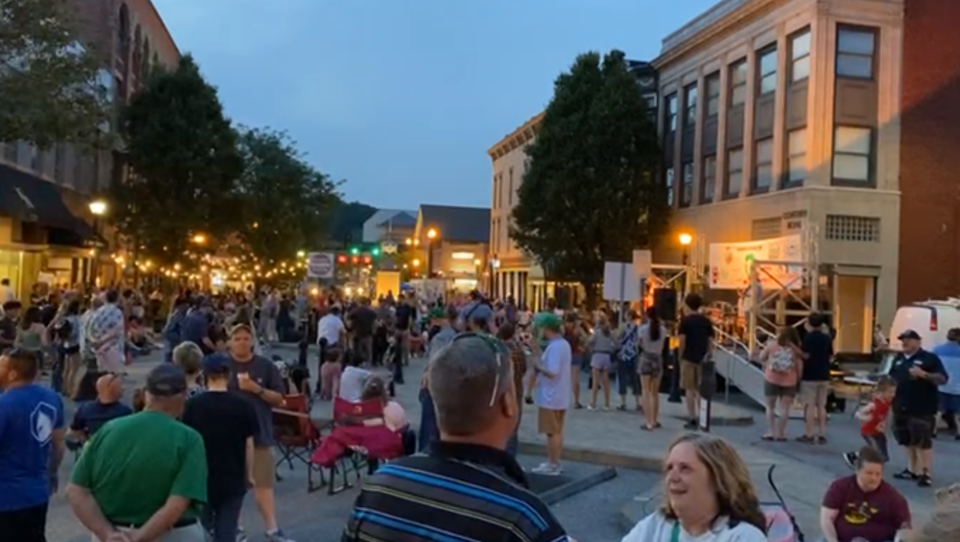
(860, 514)
(42, 420)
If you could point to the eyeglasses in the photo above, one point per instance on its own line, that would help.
(494, 344)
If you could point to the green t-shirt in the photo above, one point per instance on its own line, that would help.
(135, 463)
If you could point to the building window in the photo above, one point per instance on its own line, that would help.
(496, 190)
(800, 56)
(709, 179)
(713, 95)
(738, 83)
(767, 72)
(671, 112)
(796, 157)
(668, 179)
(734, 173)
(686, 190)
(763, 175)
(510, 190)
(690, 111)
(855, 48)
(852, 154)
(864, 229)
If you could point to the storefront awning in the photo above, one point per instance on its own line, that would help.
(32, 199)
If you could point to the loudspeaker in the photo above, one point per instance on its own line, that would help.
(665, 300)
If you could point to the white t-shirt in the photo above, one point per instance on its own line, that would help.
(554, 392)
(330, 327)
(352, 382)
(657, 528)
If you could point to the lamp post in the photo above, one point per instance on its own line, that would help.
(431, 235)
(98, 208)
(685, 240)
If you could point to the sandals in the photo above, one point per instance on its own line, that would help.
(905, 474)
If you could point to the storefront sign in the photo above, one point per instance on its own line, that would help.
(730, 263)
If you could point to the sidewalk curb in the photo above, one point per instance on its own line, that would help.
(596, 457)
(578, 485)
(640, 507)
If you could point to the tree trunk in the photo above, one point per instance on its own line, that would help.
(593, 298)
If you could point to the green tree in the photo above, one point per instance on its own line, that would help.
(591, 193)
(51, 88)
(287, 204)
(184, 165)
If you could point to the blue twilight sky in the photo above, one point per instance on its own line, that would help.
(402, 98)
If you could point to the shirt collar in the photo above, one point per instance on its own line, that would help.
(481, 455)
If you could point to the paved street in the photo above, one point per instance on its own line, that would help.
(611, 438)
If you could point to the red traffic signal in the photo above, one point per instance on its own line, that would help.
(366, 259)
(342, 258)
(356, 260)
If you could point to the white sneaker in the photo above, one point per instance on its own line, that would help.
(548, 469)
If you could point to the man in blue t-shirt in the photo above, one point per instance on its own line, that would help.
(31, 447)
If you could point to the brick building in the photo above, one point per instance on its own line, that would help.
(46, 229)
(831, 117)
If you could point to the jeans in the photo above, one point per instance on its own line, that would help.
(221, 519)
(627, 377)
(56, 377)
(950, 407)
(429, 431)
(24, 525)
(513, 445)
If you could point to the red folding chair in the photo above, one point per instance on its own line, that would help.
(338, 451)
(297, 438)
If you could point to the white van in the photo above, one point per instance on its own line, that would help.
(931, 319)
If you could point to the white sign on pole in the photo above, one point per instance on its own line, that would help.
(619, 283)
(642, 264)
(730, 263)
(320, 265)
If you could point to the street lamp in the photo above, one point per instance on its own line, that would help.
(431, 235)
(98, 208)
(199, 239)
(685, 240)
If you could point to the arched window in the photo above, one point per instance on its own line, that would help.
(123, 34)
(145, 63)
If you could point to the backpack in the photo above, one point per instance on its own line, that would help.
(627, 349)
(782, 360)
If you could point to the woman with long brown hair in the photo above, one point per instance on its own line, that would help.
(708, 496)
(782, 367)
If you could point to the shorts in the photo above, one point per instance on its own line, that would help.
(691, 375)
(601, 361)
(264, 469)
(949, 403)
(814, 393)
(650, 365)
(776, 390)
(550, 421)
(914, 431)
(627, 377)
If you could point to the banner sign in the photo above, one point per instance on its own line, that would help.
(320, 265)
(730, 263)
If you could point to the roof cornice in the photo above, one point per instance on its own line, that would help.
(517, 138)
(710, 25)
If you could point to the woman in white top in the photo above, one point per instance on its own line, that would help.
(708, 496)
(653, 337)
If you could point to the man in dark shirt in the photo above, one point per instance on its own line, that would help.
(696, 343)
(817, 351)
(196, 326)
(363, 320)
(466, 488)
(227, 424)
(8, 324)
(93, 415)
(918, 374)
(405, 316)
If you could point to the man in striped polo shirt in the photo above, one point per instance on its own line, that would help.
(466, 488)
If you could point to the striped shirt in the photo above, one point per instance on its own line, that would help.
(456, 493)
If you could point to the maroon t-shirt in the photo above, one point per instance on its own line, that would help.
(876, 516)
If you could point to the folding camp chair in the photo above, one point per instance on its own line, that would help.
(781, 523)
(352, 459)
(296, 437)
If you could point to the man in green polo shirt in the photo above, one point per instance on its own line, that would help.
(144, 477)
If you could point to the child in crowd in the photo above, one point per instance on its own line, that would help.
(874, 417)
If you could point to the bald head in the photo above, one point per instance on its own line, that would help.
(465, 378)
(109, 388)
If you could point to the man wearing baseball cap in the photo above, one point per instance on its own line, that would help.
(918, 374)
(157, 491)
(552, 388)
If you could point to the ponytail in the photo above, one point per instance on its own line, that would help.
(654, 323)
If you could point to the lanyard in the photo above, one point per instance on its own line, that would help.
(675, 533)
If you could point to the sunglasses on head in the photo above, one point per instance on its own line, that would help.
(494, 345)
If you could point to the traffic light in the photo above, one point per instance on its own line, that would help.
(355, 250)
(366, 259)
(356, 260)
(375, 251)
(342, 259)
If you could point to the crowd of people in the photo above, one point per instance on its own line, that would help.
(176, 465)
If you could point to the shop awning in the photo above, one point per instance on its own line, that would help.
(32, 199)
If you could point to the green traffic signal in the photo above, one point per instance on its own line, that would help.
(375, 251)
(355, 251)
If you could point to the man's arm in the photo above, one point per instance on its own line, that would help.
(162, 520)
(87, 510)
(828, 518)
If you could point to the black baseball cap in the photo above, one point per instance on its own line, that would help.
(217, 364)
(909, 334)
(166, 380)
